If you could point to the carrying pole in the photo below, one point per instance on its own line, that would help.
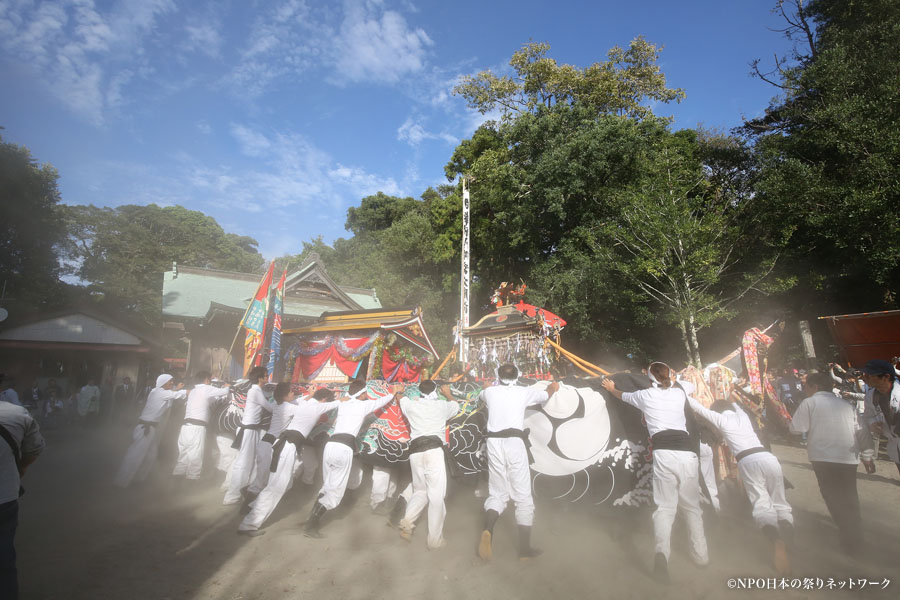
(577, 360)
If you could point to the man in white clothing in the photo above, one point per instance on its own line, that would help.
(142, 453)
(833, 431)
(280, 417)
(192, 438)
(427, 419)
(882, 413)
(509, 473)
(337, 456)
(676, 477)
(20, 445)
(760, 472)
(256, 409)
(289, 452)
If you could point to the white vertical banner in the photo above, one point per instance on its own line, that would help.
(465, 275)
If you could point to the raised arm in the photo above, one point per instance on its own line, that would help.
(710, 415)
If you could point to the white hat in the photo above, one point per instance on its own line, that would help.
(163, 380)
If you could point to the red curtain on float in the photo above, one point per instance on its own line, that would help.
(310, 365)
(400, 371)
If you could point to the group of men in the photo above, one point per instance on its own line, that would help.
(273, 448)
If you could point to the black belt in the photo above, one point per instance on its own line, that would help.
(240, 434)
(514, 433)
(147, 425)
(672, 439)
(195, 422)
(346, 439)
(288, 436)
(748, 452)
(268, 438)
(425, 443)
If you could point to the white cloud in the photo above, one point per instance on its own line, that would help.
(204, 37)
(84, 56)
(377, 45)
(364, 43)
(414, 133)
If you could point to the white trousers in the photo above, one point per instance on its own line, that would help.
(278, 483)
(242, 470)
(709, 475)
(263, 465)
(339, 472)
(191, 444)
(227, 454)
(140, 456)
(764, 483)
(429, 486)
(676, 482)
(384, 485)
(509, 478)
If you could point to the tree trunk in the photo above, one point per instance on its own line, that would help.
(695, 347)
(688, 352)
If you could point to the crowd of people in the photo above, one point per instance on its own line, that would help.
(55, 406)
(842, 415)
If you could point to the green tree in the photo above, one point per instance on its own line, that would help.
(828, 149)
(120, 252)
(31, 228)
(623, 85)
(685, 239)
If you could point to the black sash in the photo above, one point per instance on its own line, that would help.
(240, 434)
(268, 438)
(288, 436)
(748, 452)
(672, 439)
(425, 443)
(513, 433)
(147, 425)
(345, 439)
(195, 422)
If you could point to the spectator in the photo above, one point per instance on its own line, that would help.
(9, 394)
(88, 401)
(833, 448)
(788, 387)
(20, 445)
(883, 405)
(34, 399)
(850, 386)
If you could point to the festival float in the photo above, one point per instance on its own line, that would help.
(372, 344)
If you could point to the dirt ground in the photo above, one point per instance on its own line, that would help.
(81, 538)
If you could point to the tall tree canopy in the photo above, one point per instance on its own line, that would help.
(829, 151)
(30, 228)
(624, 84)
(120, 253)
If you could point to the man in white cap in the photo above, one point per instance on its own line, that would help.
(427, 418)
(337, 456)
(141, 454)
(256, 409)
(509, 473)
(192, 438)
(288, 453)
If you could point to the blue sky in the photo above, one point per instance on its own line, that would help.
(276, 116)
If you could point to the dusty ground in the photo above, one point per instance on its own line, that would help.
(81, 538)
